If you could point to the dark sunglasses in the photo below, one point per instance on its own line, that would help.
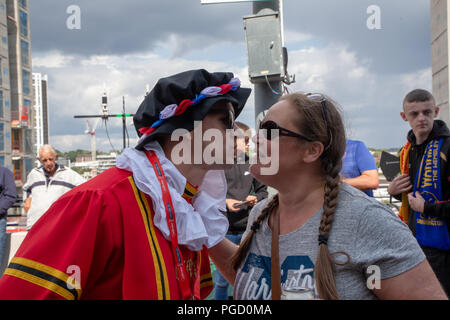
(228, 120)
(269, 125)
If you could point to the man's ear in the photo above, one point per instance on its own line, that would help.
(436, 111)
(403, 115)
(313, 151)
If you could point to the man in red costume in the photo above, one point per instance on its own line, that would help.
(141, 229)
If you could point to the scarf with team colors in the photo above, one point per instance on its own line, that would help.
(430, 231)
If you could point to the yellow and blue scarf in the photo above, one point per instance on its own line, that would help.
(430, 231)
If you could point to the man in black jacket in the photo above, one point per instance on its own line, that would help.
(8, 197)
(243, 193)
(419, 109)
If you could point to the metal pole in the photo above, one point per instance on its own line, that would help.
(264, 96)
(124, 124)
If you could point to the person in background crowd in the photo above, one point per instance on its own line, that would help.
(424, 183)
(316, 232)
(46, 184)
(8, 196)
(243, 192)
(359, 168)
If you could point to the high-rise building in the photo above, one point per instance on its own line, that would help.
(21, 92)
(5, 98)
(40, 110)
(440, 44)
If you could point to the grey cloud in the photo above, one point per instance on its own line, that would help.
(397, 47)
(119, 27)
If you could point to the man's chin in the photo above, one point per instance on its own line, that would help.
(423, 131)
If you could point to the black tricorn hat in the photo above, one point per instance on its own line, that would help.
(176, 88)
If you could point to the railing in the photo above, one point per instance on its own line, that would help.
(382, 195)
(16, 209)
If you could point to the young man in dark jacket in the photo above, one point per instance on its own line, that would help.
(243, 193)
(424, 184)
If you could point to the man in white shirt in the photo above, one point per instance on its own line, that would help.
(46, 184)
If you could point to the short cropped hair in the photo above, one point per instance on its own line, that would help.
(418, 95)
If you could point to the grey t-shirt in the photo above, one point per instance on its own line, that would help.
(367, 230)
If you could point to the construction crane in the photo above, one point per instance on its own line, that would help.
(91, 131)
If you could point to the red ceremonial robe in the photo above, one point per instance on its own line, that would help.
(98, 241)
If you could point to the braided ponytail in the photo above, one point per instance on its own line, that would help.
(324, 268)
(244, 247)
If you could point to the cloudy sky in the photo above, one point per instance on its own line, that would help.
(125, 45)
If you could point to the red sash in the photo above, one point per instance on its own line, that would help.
(182, 275)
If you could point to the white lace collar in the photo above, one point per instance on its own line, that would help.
(198, 224)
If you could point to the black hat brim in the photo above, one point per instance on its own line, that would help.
(198, 112)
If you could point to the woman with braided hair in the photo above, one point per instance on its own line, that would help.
(317, 232)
